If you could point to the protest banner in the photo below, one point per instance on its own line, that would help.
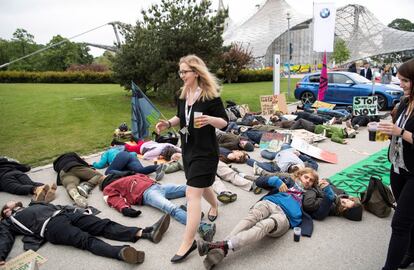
(25, 261)
(365, 106)
(310, 150)
(271, 103)
(273, 141)
(320, 104)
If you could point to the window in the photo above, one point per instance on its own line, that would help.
(314, 79)
(340, 78)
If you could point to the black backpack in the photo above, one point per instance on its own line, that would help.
(378, 198)
(170, 137)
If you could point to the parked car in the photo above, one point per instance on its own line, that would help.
(344, 86)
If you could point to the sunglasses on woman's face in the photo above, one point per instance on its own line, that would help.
(183, 72)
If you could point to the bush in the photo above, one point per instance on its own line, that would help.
(56, 77)
(251, 75)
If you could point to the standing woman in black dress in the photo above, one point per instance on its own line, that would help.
(401, 154)
(200, 150)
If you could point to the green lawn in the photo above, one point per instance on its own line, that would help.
(38, 122)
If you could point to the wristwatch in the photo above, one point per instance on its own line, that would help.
(402, 132)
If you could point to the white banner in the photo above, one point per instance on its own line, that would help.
(276, 74)
(323, 26)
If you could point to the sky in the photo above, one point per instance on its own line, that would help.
(47, 18)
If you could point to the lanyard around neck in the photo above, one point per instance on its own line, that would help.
(188, 110)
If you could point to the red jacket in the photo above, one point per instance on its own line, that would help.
(127, 191)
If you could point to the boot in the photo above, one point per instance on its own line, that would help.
(159, 173)
(84, 189)
(79, 199)
(156, 231)
(39, 193)
(51, 193)
(207, 231)
(204, 247)
(131, 255)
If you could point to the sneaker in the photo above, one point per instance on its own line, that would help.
(256, 190)
(78, 199)
(214, 257)
(84, 189)
(159, 173)
(207, 231)
(227, 197)
(332, 121)
(131, 255)
(356, 127)
(256, 169)
(204, 246)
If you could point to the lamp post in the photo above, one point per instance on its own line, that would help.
(289, 53)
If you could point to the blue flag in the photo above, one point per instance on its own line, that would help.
(143, 113)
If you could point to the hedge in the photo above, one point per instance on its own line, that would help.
(56, 77)
(251, 75)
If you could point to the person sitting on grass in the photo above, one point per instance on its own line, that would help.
(121, 192)
(14, 180)
(66, 225)
(120, 160)
(272, 216)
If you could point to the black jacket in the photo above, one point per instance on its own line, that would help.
(66, 162)
(369, 73)
(408, 148)
(8, 166)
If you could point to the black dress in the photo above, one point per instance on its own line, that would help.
(200, 148)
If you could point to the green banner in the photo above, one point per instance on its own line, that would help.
(355, 178)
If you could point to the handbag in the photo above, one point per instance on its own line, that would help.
(170, 137)
(378, 198)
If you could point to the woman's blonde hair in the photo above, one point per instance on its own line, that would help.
(297, 174)
(206, 80)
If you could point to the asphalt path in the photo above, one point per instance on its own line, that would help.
(336, 243)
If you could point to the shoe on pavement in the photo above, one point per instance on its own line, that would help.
(214, 257)
(157, 230)
(131, 255)
(160, 172)
(77, 198)
(84, 189)
(207, 231)
(227, 197)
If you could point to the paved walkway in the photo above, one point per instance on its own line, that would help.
(337, 243)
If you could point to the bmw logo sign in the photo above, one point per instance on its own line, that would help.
(325, 12)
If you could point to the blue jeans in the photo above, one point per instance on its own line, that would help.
(253, 135)
(158, 196)
(268, 166)
(124, 161)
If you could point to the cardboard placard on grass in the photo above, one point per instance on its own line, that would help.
(270, 104)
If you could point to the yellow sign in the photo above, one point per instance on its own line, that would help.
(320, 104)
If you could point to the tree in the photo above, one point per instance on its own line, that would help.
(402, 24)
(341, 52)
(60, 57)
(168, 32)
(21, 45)
(106, 59)
(234, 60)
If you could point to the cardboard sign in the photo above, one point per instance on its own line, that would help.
(273, 141)
(365, 106)
(270, 104)
(24, 261)
(306, 148)
(305, 135)
(320, 104)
